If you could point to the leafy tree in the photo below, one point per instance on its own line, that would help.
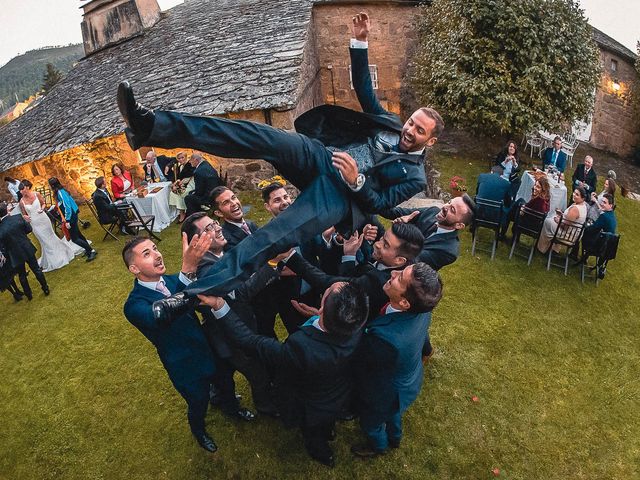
(51, 77)
(505, 66)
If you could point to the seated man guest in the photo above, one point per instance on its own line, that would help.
(180, 342)
(606, 222)
(106, 207)
(388, 364)
(158, 168)
(205, 180)
(585, 176)
(554, 156)
(121, 182)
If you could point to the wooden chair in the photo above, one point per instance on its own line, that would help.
(567, 234)
(136, 221)
(529, 223)
(488, 215)
(108, 230)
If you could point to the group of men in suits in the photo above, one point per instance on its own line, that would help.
(348, 166)
(16, 252)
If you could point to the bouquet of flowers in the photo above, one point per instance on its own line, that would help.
(275, 179)
(458, 184)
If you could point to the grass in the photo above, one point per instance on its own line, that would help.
(554, 365)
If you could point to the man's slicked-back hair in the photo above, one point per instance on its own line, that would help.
(435, 116)
(411, 240)
(345, 310)
(425, 290)
(189, 225)
(471, 205)
(215, 193)
(127, 251)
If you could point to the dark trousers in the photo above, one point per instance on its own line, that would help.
(196, 395)
(32, 261)
(76, 235)
(306, 163)
(316, 438)
(194, 203)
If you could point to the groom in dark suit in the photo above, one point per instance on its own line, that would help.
(20, 250)
(346, 164)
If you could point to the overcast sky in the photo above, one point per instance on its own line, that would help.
(29, 24)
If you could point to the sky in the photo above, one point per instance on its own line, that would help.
(29, 24)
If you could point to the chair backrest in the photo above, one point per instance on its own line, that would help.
(92, 208)
(46, 194)
(128, 212)
(607, 246)
(529, 222)
(488, 212)
(568, 232)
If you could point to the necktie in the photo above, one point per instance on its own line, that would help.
(383, 310)
(161, 287)
(554, 158)
(245, 228)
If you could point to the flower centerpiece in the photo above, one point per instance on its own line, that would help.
(458, 186)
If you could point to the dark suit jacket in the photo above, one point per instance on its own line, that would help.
(234, 234)
(493, 187)
(313, 380)
(163, 161)
(181, 344)
(366, 276)
(394, 177)
(13, 237)
(182, 171)
(561, 162)
(437, 250)
(205, 179)
(104, 206)
(388, 365)
(590, 179)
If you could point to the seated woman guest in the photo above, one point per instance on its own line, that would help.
(121, 183)
(594, 209)
(577, 212)
(183, 183)
(508, 160)
(540, 197)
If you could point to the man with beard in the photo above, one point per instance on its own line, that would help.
(347, 164)
(440, 228)
(227, 206)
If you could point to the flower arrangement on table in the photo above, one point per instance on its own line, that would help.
(458, 185)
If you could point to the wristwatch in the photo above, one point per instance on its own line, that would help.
(359, 182)
(190, 275)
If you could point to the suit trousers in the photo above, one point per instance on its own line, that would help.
(196, 395)
(306, 163)
(32, 261)
(194, 203)
(76, 235)
(380, 434)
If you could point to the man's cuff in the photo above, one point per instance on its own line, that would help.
(359, 183)
(348, 258)
(183, 278)
(222, 312)
(358, 43)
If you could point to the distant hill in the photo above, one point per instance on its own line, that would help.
(22, 75)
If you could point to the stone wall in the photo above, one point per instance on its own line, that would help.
(392, 34)
(614, 128)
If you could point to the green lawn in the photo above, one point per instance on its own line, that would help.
(554, 365)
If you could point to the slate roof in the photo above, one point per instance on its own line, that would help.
(605, 42)
(204, 57)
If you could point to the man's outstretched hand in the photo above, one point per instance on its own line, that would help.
(361, 26)
(192, 252)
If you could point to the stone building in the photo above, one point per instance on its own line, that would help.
(262, 60)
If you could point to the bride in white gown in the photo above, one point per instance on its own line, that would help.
(56, 252)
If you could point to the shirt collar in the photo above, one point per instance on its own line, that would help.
(390, 309)
(151, 285)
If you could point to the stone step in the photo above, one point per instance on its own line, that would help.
(421, 201)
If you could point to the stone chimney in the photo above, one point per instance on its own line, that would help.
(107, 22)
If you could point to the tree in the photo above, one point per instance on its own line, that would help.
(503, 66)
(51, 77)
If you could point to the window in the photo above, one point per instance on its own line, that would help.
(373, 71)
(614, 65)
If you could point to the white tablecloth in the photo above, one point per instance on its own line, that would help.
(558, 192)
(156, 204)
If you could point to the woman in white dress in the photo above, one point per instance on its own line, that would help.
(575, 213)
(56, 253)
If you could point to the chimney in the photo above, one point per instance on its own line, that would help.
(107, 22)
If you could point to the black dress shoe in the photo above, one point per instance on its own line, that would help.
(394, 443)
(206, 442)
(269, 412)
(242, 414)
(167, 308)
(324, 456)
(29, 295)
(138, 118)
(365, 450)
(46, 290)
(92, 256)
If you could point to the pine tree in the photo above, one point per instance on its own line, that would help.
(51, 77)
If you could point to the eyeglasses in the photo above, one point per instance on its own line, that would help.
(212, 226)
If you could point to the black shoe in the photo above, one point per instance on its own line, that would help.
(138, 118)
(206, 442)
(170, 307)
(269, 412)
(346, 416)
(29, 295)
(394, 443)
(242, 414)
(365, 450)
(18, 296)
(324, 456)
(45, 289)
(92, 256)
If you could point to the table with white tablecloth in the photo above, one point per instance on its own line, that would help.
(156, 204)
(558, 191)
